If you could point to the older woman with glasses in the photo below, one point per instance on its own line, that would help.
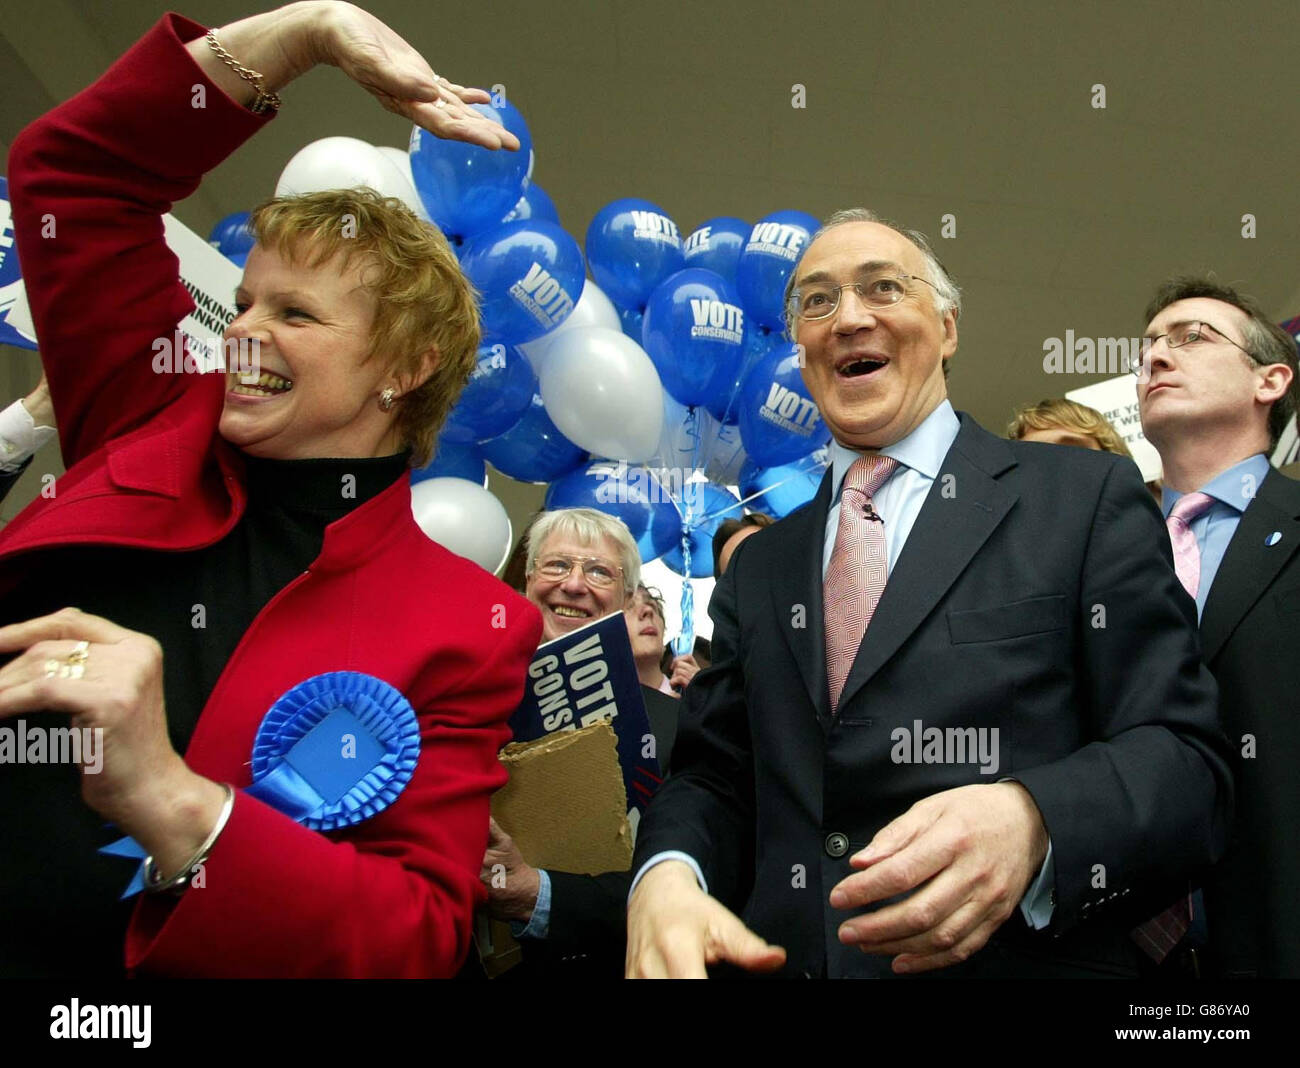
(253, 534)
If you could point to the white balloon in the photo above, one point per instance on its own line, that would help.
(465, 518)
(345, 163)
(592, 309)
(603, 393)
(401, 159)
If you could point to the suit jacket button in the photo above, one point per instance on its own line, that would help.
(836, 845)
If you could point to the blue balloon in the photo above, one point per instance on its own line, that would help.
(627, 491)
(534, 204)
(231, 236)
(452, 460)
(785, 488)
(530, 275)
(694, 331)
(533, 450)
(632, 245)
(500, 388)
(711, 504)
(778, 420)
(716, 246)
(633, 319)
(774, 247)
(239, 259)
(468, 188)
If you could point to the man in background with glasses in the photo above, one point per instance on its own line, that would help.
(1216, 389)
(956, 717)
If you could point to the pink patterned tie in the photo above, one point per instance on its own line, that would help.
(1158, 936)
(858, 569)
(1187, 557)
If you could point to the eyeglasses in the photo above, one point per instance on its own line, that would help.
(598, 573)
(883, 289)
(1180, 337)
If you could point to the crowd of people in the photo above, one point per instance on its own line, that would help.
(1121, 664)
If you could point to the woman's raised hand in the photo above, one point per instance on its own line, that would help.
(287, 42)
(380, 61)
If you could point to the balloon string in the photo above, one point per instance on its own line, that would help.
(685, 641)
(666, 487)
(767, 489)
(692, 428)
(748, 359)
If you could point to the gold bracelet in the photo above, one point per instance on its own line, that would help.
(265, 98)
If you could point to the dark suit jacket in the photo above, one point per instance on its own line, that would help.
(1248, 631)
(1035, 595)
(588, 931)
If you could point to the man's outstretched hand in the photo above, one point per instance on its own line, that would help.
(675, 930)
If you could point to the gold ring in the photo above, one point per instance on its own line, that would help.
(74, 664)
(52, 668)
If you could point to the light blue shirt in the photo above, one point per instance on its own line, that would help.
(1232, 490)
(899, 500)
(539, 924)
(920, 455)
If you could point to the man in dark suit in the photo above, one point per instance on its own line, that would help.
(879, 775)
(1217, 389)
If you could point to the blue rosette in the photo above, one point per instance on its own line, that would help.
(332, 751)
(335, 750)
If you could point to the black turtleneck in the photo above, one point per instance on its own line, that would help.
(59, 896)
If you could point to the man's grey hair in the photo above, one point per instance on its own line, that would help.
(587, 526)
(947, 297)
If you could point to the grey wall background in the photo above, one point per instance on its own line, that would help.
(1067, 215)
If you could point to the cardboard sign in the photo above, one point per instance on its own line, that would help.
(566, 810)
(582, 678)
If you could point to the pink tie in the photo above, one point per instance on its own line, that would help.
(1187, 556)
(1160, 935)
(855, 579)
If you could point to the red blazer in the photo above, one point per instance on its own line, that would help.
(395, 895)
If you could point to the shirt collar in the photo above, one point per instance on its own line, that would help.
(922, 450)
(1231, 487)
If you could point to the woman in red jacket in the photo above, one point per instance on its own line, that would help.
(251, 537)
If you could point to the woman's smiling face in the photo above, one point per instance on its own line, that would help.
(318, 395)
(573, 602)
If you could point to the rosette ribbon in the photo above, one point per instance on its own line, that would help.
(332, 751)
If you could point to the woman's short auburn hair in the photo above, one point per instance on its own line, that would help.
(422, 298)
(1062, 414)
